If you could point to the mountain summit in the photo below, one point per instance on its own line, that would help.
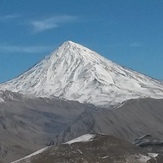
(75, 72)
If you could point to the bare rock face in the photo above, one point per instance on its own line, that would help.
(150, 143)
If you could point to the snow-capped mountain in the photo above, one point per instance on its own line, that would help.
(75, 72)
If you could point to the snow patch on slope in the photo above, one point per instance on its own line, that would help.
(83, 138)
(27, 158)
(153, 155)
(144, 159)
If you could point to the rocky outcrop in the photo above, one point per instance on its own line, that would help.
(152, 144)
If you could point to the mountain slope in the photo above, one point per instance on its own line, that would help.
(131, 120)
(27, 125)
(74, 72)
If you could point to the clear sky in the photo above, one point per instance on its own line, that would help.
(128, 32)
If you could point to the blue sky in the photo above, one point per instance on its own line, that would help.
(128, 32)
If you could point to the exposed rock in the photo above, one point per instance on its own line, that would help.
(150, 143)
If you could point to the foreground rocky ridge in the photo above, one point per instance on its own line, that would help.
(93, 148)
